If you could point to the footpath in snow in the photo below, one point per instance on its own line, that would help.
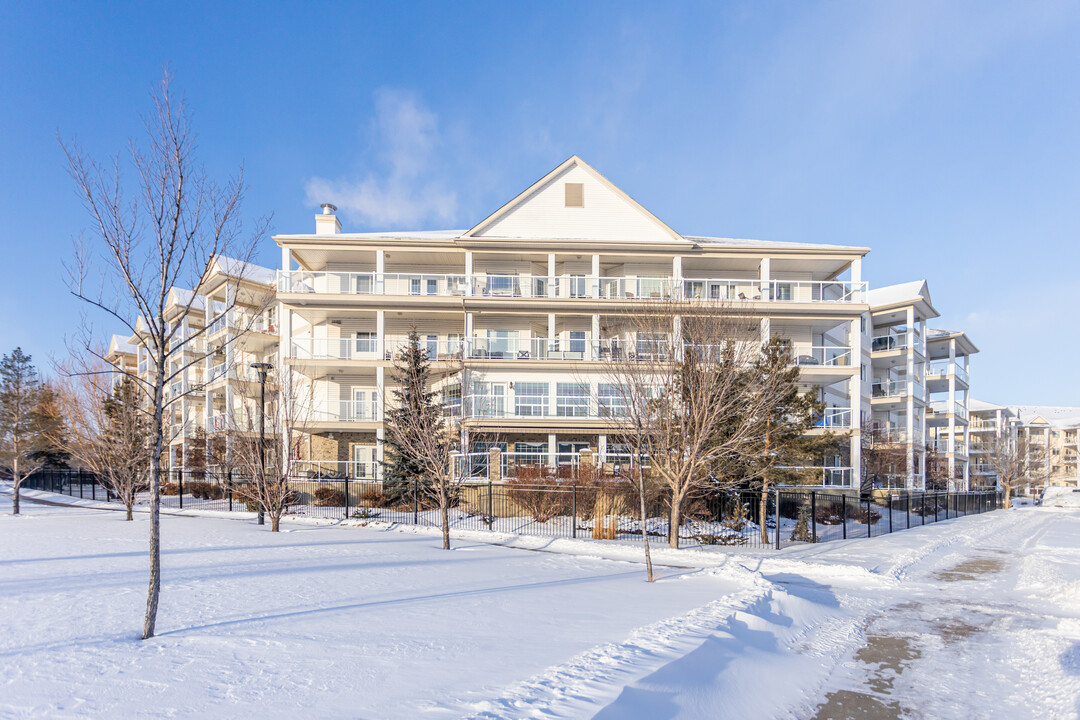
(975, 617)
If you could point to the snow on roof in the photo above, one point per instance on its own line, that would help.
(1056, 416)
(246, 270)
(981, 406)
(120, 344)
(892, 294)
(183, 297)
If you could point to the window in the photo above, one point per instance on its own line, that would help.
(650, 346)
(489, 400)
(577, 286)
(454, 344)
(414, 286)
(575, 195)
(782, 291)
(651, 286)
(432, 346)
(577, 343)
(502, 344)
(530, 399)
(610, 400)
(432, 286)
(365, 342)
(451, 399)
(364, 284)
(503, 285)
(531, 453)
(572, 400)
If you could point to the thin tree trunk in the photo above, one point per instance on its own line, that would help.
(17, 482)
(674, 520)
(445, 510)
(155, 521)
(275, 521)
(763, 512)
(644, 533)
(128, 518)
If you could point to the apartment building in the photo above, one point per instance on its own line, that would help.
(1050, 433)
(920, 378)
(520, 311)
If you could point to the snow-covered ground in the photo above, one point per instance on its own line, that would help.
(970, 618)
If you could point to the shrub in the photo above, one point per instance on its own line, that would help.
(170, 488)
(737, 518)
(830, 514)
(721, 539)
(866, 514)
(371, 496)
(329, 497)
(541, 502)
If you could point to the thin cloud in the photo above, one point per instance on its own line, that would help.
(404, 190)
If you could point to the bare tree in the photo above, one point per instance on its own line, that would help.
(678, 372)
(883, 456)
(167, 233)
(19, 393)
(1014, 459)
(270, 464)
(110, 433)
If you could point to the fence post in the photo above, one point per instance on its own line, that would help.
(491, 505)
(180, 487)
(776, 515)
(868, 523)
(890, 514)
(346, 497)
(922, 506)
(93, 487)
(843, 513)
(415, 503)
(573, 510)
(81, 496)
(907, 504)
(813, 515)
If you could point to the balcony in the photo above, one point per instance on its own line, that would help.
(366, 410)
(821, 476)
(897, 341)
(822, 355)
(834, 419)
(942, 407)
(945, 368)
(243, 322)
(941, 446)
(566, 286)
(892, 389)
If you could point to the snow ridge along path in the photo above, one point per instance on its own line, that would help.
(975, 617)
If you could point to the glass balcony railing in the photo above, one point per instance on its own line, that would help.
(482, 284)
(366, 410)
(889, 389)
(944, 368)
(834, 419)
(828, 356)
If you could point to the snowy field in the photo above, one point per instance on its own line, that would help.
(971, 618)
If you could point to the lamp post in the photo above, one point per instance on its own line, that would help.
(262, 368)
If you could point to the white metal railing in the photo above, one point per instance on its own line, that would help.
(481, 406)
(366, 410)
(944, 368)
(941, 445)
(944, 407)
(336, 469)
(978, 424)
(514, 348)
(826, 355)
(826, 476)
(217, 371)
(834, 418)
(568, 286)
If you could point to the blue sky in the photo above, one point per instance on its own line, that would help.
(945, 136)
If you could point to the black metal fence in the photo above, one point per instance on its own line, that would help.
(602, 510)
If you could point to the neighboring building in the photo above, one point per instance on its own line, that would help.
(1050, 433)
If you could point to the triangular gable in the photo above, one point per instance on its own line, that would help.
(1038, 420)
(607, 212)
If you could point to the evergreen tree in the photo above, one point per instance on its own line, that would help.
(19, 390)
(415, 412)
(51, 437)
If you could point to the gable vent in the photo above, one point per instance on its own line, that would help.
(575, 195)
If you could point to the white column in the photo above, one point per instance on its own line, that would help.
(765, 273)
(855, 400)
(551, 275)
(380, 333)
(552, 449)
(286, 259)
(468, 272)
(594, 345)
(856, 278)
(468, 326)
(601, 447)
(595, 289)
(766, 330)
(676, 276)
(952, 413)
(910, 399)
(551, 327)
(379, 286)
(380, 390)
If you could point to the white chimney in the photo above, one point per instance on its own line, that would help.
(327, 223)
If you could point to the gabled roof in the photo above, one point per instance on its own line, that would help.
(608, 212)
(239, 268)
(910, 293)
(119, 345)
(1054, 416)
